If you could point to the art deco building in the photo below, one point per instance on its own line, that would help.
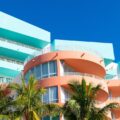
(27, 49)
(66, 62)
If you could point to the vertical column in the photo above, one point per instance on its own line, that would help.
(58, 67)
(59, 87)
(58, 77)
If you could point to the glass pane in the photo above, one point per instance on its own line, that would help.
(45, 70)
(46, 118)
(67, 95)
(53, 94)
(32, 71)
(27, 75)
(52, 68)
(38, 72)
(46, 97)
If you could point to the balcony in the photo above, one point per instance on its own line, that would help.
(22, 32)
(16, 47)
(5, 79)
(93, 79)
(82, 74)
(114, 99)
(10, 64)
(115, 112)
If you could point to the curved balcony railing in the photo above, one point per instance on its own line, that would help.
(83, 74)
(93, 79)
(114, 99)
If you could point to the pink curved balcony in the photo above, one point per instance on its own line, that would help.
(116, 111)
(63, 81)
(80, 61)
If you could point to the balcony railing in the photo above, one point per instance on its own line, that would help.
(11, 64)
(83, 74)
(47, 49)
(5, 79)
(19, 44)
(114, 98)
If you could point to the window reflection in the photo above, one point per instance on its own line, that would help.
(51, 96)
(43, 71)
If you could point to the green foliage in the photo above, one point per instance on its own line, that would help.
(81, 105)
(27, 103)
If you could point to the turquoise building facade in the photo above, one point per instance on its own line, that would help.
(19, 40)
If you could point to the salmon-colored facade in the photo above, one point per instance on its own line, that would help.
(55, 70)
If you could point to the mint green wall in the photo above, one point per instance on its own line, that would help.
(35, 42)
(8, 53)
(8, 72)
(16, 25)
(20, 31)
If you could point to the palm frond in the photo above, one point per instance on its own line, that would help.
(109, 107)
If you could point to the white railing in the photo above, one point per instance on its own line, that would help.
(4, 79)
(47, 49)
(11, 65)
(107, 77)
(19, 44)
(31, 57)
(11, 60)
(82, 74)
(114, 98)
(98, 102)
(79, 48)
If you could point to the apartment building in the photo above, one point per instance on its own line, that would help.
(74, 60)
(27, 48)
(19, 41)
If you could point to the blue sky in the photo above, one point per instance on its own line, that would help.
(85, 20)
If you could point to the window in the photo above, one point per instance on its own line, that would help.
(51, 96)
(46, 97)
(32, 71)
(113, 116)
(52, 68)
(67, 95)
(44, 70)
(38, 72)
(27, 75)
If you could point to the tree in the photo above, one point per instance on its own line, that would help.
(28, 101)
(82, 104)
(5, 101)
